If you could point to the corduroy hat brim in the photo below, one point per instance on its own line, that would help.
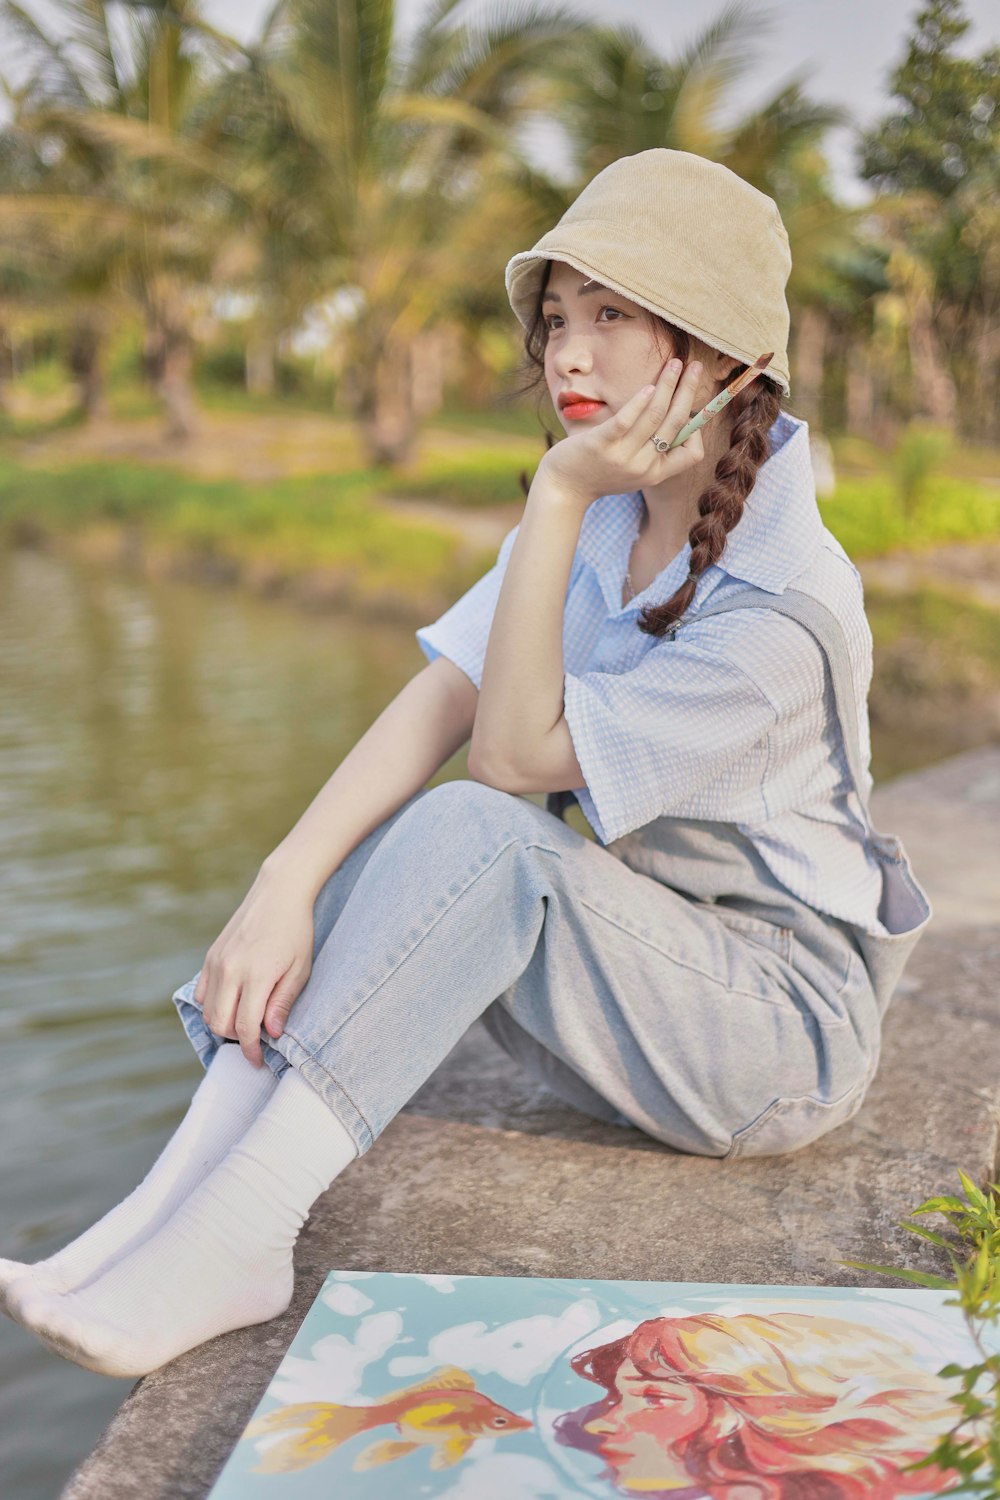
(683, 237)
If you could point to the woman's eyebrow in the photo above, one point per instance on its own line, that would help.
(582, 291)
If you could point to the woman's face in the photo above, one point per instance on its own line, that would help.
(637, 1433)
(599, 345)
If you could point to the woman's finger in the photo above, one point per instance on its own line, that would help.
(667, 421)
(628, 413)
(248, 1019)
(683, 392)
(693, 447)
(645, 416)
(221, 1006)
(283, 997)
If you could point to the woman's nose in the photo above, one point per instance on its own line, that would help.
(573, 354)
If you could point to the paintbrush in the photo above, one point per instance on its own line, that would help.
(722, 399)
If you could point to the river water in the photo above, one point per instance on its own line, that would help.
(157, 739)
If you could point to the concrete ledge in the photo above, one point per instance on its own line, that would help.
(484, 1174)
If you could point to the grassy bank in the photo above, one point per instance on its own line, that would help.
(321, 537)
(282, 527)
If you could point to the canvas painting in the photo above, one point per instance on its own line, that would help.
(531, 1388)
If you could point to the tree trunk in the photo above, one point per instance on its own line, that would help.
(382, 389)
(985, 418)
(934, 388)
(259, 366)
(168, 361)
(859, 392)
(428, 365)
(6, 369)
(85, 366)
(811, 326)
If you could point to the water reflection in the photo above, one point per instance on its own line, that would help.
(156, 741)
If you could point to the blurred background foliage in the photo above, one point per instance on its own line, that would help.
(326, 213)
(255, 262)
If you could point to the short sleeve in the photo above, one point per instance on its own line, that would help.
(687, 724)
(462, 632)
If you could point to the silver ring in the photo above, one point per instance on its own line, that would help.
(660, 444)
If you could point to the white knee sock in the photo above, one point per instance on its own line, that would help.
(227, 1099)
(223, 1261)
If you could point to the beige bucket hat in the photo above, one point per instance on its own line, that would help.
(684, 237)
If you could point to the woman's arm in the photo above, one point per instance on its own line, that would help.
(521, 741)
(411, 739)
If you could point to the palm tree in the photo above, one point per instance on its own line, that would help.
(376, 169)
(134, 202)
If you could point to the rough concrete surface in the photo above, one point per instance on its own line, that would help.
(485, 1174)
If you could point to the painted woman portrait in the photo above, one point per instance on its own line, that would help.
(788, 1406)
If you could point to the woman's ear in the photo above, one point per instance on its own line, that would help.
(719, 368)
(725, 367)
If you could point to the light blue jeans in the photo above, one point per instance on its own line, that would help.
(739, 1022)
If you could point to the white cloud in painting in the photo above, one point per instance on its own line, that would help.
(428, 1278)
(335, 1370)
(352, 1275)
(347, 1300)
(498, 1476)
(519, 1351)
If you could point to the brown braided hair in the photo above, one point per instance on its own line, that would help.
(720, 507)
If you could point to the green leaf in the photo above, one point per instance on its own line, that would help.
(920, 1278)
(925, 1234)
(942, 1206)
(973, 1193)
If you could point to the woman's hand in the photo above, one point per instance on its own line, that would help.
(616, 454)
(258, 965)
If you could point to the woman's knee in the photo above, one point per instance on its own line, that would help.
(333, 893)
(470, 807)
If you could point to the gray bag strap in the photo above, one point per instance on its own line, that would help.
(823, 624)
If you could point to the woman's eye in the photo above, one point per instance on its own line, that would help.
(618, 315)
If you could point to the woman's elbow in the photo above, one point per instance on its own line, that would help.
(504, 778)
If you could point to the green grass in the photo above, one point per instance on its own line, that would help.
(858, 458)
(867, 517)
(292, 525)
(963, 630)
(484, 477)
(517, 421)
(328, 519)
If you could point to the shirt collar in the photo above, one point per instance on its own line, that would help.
(776, 537)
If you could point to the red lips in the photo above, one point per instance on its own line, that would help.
(575, 407)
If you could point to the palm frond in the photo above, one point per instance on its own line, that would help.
(53, 68)
(722, 51)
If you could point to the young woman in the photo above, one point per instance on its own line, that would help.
(672, 636)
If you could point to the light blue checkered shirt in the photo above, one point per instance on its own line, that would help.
(734, 719)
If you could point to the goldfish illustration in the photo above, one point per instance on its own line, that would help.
(445, 1412)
